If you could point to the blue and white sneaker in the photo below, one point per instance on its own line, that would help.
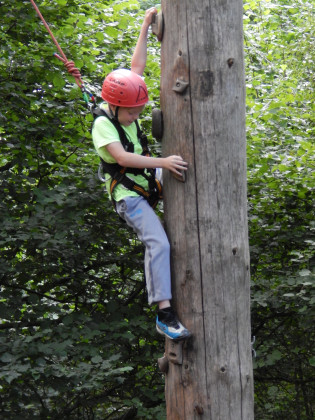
(167, 324)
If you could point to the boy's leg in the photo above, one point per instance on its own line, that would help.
(141, 217)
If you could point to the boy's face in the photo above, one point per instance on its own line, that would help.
(126, 116)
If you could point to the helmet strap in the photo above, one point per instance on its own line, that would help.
(114, 116)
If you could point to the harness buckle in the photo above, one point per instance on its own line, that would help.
(118, 177)
(91, 107)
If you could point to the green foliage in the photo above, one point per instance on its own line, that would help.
(281, 183)
(77, 339)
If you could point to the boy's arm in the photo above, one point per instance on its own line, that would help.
(139, 58)
(173, 163)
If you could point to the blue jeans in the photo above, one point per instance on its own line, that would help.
(139, 215)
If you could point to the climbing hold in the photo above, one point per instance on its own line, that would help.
(174, 352)
(180, 86)
(180, 178)
(163, 364)
(158, 25)
(157, 124)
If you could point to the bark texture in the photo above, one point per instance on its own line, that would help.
(203, 105)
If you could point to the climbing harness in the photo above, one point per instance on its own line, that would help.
(119, 174)
(87, 96)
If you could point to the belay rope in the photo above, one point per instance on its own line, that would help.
(118, 173)
(87, 96)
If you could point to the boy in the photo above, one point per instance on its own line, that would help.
(126, 95)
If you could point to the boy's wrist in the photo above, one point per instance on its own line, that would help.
(145, 27)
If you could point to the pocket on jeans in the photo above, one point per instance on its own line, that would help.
(121, 207)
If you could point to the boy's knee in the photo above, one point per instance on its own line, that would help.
(165, 246)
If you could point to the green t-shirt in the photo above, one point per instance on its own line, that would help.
(104, 133)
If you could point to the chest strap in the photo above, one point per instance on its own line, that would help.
(119, 174)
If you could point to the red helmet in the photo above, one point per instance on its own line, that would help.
(124, 88)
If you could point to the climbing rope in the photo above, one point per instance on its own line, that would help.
(70, 66)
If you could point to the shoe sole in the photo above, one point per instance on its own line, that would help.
(181, 338)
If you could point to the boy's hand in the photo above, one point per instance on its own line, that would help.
(175, 164)
(149, 15)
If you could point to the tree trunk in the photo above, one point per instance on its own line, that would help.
(203, 105)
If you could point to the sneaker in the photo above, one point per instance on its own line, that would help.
(167, 324)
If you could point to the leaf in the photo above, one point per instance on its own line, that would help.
(96, 359)
(6, 357)
(274, 357)
(58, 81)
(304, 273)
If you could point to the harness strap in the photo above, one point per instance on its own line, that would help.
(119, 174)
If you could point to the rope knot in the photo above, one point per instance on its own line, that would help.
(70, 66)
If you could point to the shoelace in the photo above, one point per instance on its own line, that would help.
(171, 320)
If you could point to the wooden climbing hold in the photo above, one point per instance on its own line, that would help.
(174, 351)
(163, 364)
(180, 178)
(180, 86)
(158, 25)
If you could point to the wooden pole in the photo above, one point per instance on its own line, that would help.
(203, 105)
